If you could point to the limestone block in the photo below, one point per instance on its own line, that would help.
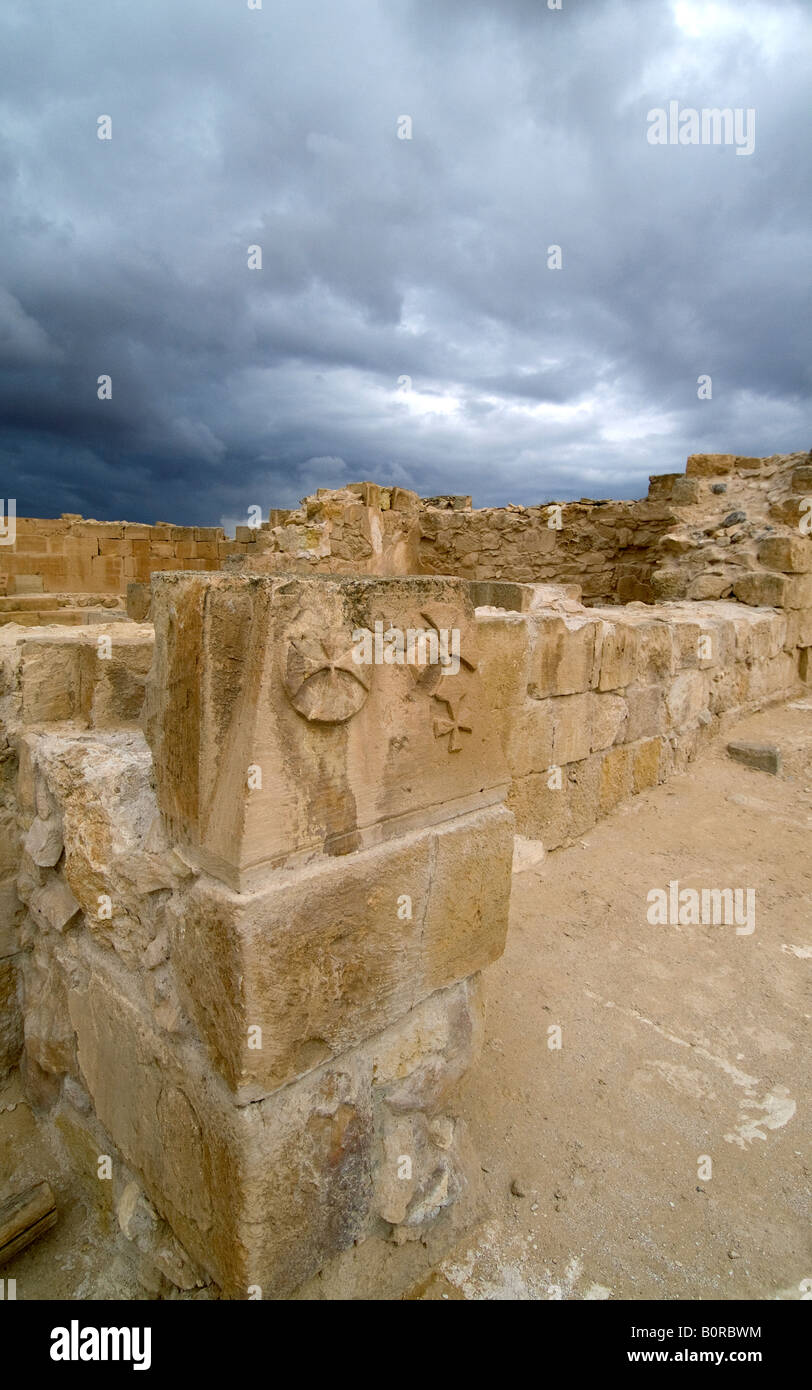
(113, 676)
(502, 639)
(264, 1193)
(761, 589)
(564, 656)
(529, 730)
(50, 1042)
(326, 956)
(778, 675)
(685, 697)
(685, 491)
(271, 743)
(709, 586)
(572, 728)
(52, 904)
(617, 767)
(528, 855)
(799, 628)
(9, 843)
(790, 554)
(759, 635)
(116, 854)
(9, 907)
(609, 718)
(798, 593)
(404, 501)
(557, 815)
(802, 478)
(49, 679)
(646, 760)
(765, 757)
(709, 465)
(647, 715)
(11, 1021)
(44, 841)
(656, 656)
(619, 655)
(138, 602)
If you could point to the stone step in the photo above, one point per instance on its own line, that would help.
(24, 602)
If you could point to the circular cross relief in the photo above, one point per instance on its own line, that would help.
(322, 681)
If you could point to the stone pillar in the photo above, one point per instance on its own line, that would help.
(350, 856)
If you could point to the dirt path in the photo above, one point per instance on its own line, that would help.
(677, 1041)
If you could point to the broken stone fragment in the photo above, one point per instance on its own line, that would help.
(54, 904)
(527, 854)
(765, 757)
(44, 841)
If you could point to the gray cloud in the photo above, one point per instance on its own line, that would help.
(387, 258)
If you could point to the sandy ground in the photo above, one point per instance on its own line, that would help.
(677, 1042)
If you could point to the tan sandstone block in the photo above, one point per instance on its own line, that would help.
(572, 722)
(686, 697)
(790, 554)
(617, 766)
(325, 957)
(263, 1194)
(647, 712)
(255, 674)
(798, 592)
(761, 589)
(564, 656)
(530, 730)
(646, 764)
(49, 679)
(620, 650)
(709, 465)
(609, 717)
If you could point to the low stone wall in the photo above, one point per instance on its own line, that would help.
(596, 704)
(69, 554)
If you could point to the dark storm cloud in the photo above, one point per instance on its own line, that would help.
(386, 259)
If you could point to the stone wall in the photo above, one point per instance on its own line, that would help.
(70, 555)
(248, 944)
(597, 704)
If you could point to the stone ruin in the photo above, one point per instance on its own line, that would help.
(248, 885)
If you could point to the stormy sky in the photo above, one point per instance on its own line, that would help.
(405, 325)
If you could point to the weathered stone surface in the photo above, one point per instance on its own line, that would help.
(44, 841)
(790, 554)
(53, 903)
(709, 465)
(761, 589)
(617, 766)
(347, 754)
(765, 757)
(528, 855)
(266, 1193)
(610, 714)
(565, 657)
(572, 722)
(325, 957)
(686, 696)
(619, 652)
(11, 1019)
(9, 908)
